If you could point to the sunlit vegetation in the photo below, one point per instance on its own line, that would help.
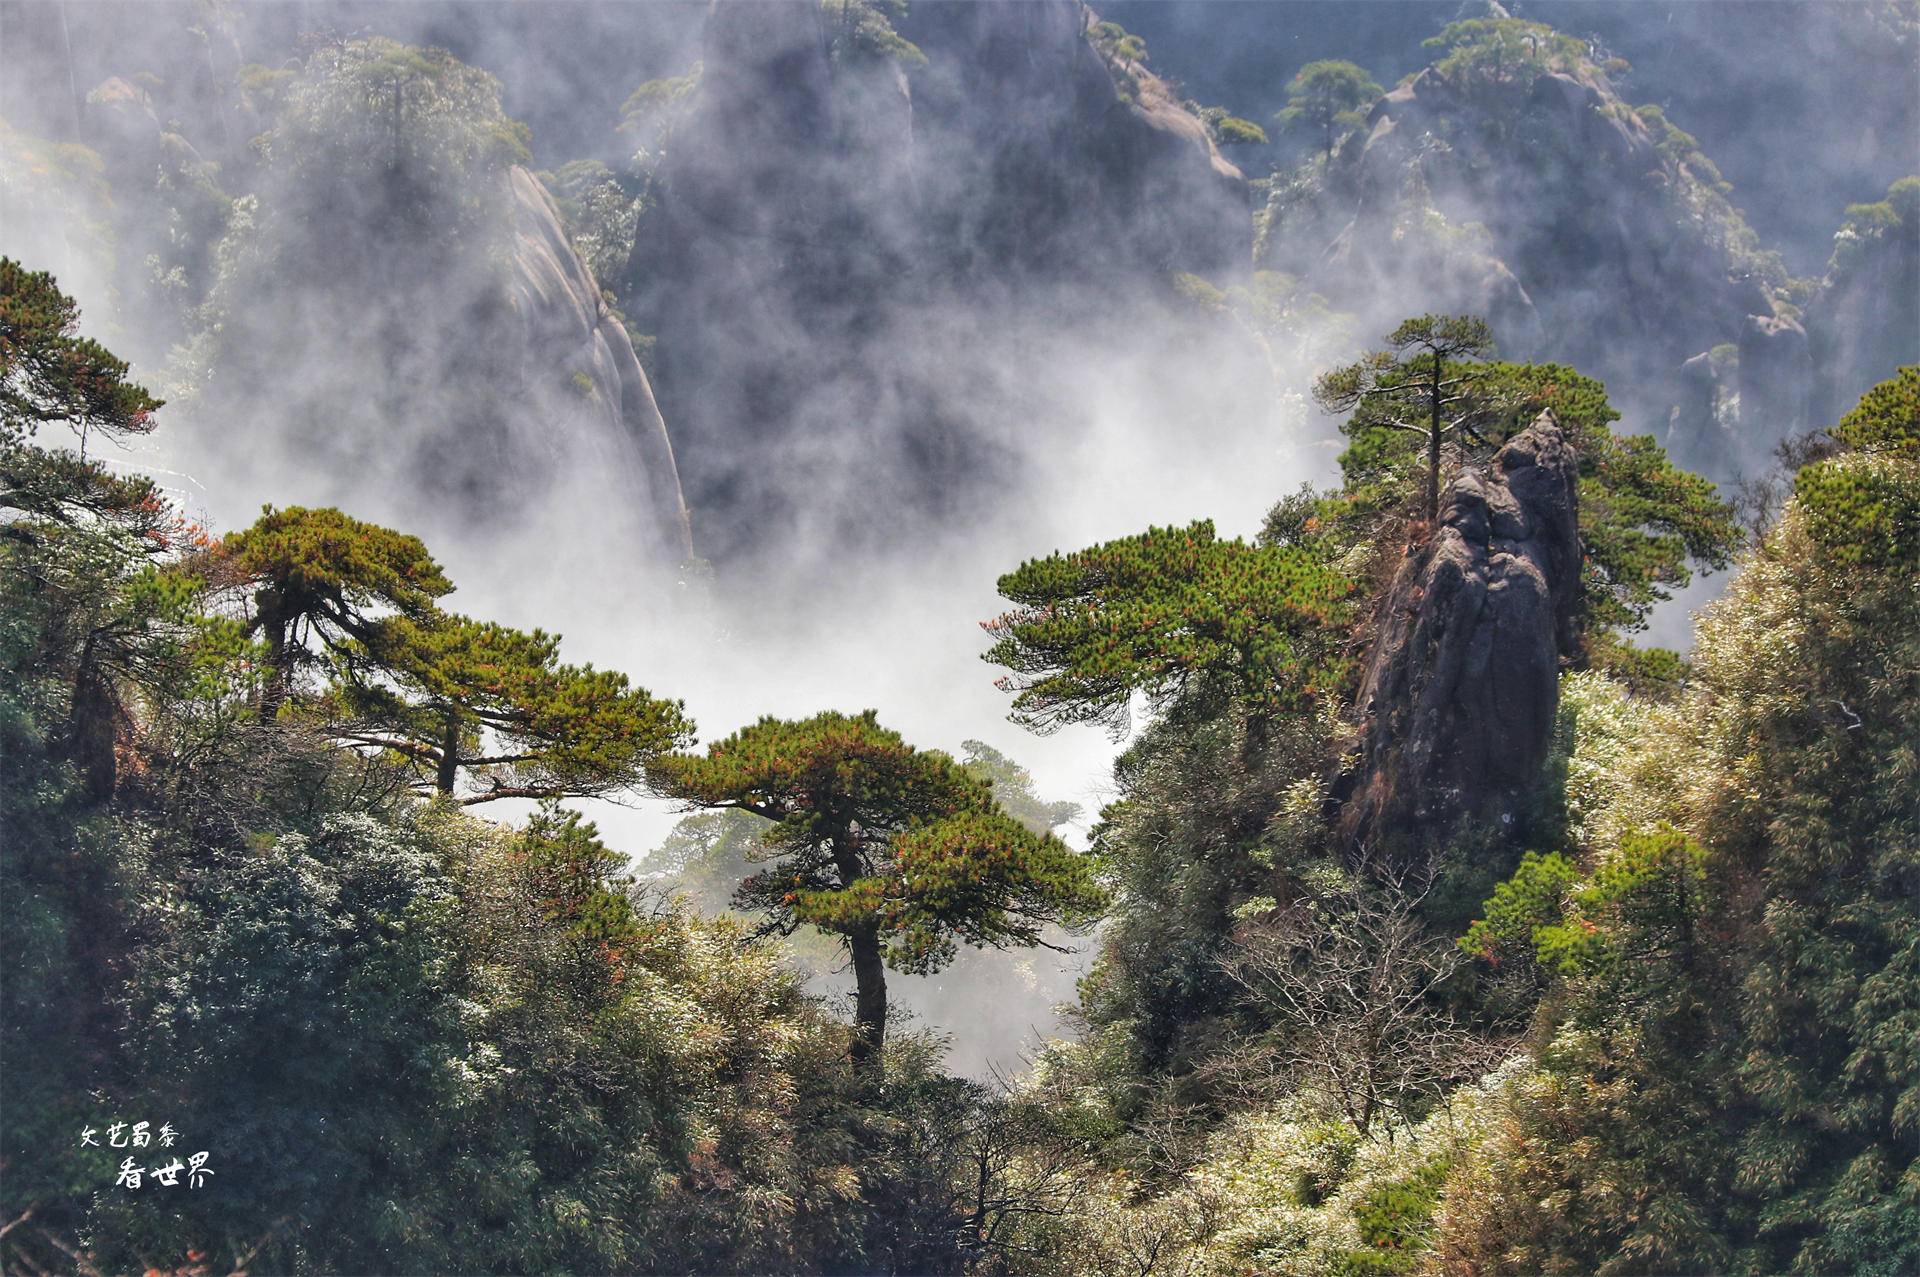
(1327, 98)
(1632, 973)
(263, 877)
(244, 896)
(411, 1040)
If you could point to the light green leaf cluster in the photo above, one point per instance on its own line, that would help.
(1605, 721)
(1733, 1042)
(1282, 1190)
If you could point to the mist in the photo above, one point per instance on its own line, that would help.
(944, 396)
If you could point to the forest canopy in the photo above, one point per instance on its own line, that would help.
(1425, 922)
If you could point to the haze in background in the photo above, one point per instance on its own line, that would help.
(1091, 416)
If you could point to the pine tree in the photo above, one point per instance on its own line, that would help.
(452, 695)
(1327, 94)
(1173, 613)
(899, 852)
(1396, 391)
(48, 374)
(438, 691)
(1643, 522)
(314, 578)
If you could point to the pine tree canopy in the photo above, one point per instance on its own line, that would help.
(438, 690)
(1864, 505)
(1325, 94)
(1168, 613)
(1430, 392)
(327, 570)
(451, 693)
(48, 374)
(898, 851)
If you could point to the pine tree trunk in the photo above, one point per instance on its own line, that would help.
(280, 665)
(93, 722)
(449, 755)
(1433, 449)
(870, 999)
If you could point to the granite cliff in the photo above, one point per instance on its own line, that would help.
(829, 219)
(577, 362)
(1461, 686)
(1511, 179)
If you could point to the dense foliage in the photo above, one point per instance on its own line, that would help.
(263, 1009)
(1719, 1063)
(1708, 947)
(50, 374)
(408, 1040)
(1861, 505)
(1732, 1051)
(1175, 613)
(1664, 1019)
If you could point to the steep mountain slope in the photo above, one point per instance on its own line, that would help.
(397, 311)
(838, 203)
(1510, 179)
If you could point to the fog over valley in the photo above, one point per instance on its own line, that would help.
(1262, 461)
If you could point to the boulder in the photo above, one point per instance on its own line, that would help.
(1460, 693)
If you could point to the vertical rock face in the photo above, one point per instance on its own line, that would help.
(1585, 231)
(829, 220)
(1697, 438)
(1865, 322)
(1776, 384)
(1027, 158)
(1461, 691)
(455, 387)
(578, 363)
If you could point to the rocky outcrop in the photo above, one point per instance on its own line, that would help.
(1028, 156)
(1589, 233)
(472, 389)
(121, 126)
(1461, 689)
(1865, 321)
(1700, 436)
(576, 356)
